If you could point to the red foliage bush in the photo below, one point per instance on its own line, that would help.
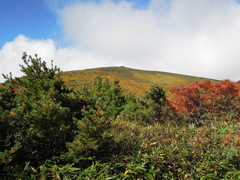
(206, 96)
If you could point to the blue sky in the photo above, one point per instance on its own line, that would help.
(28, 17)
(199, 37)
(36, 18)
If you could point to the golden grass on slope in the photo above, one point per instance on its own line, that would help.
(131, 80)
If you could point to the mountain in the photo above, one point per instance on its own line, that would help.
(131, 80)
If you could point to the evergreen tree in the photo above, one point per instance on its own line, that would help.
(103, 102)
(156, 99)
(37, 114)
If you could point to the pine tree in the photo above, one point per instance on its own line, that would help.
(37, 113)
(103, 102)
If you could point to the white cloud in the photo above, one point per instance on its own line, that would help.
(11, 53)
(198, 38)
(66, 58)
(190, 37)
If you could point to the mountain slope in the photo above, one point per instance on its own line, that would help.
(131, 80)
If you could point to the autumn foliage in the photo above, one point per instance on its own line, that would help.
(49, 130)
(207, 97)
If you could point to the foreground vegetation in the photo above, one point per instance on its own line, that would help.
(51, 131)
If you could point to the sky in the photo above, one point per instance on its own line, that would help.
(199, 38)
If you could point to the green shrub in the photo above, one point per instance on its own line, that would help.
(49, 131)
(36, 115)
(103, 103)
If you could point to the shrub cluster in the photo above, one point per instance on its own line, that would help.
(51, 131)
(205, 100)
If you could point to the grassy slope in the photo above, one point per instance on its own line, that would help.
(131, 80)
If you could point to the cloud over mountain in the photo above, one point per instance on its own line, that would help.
(198, 38)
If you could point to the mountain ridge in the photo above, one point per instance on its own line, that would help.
(132, 80)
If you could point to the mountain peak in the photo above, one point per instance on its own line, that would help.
(131, 80)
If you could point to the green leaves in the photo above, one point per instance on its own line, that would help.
(49, 131)
(103, 102)
(36, 112)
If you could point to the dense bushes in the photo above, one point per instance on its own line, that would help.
(102, 104)
(36, 115)
(205, 101)
(49, 131)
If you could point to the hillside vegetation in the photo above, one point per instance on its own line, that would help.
(131, 80)
(49, 130)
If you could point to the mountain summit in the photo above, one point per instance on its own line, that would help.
(131, 80)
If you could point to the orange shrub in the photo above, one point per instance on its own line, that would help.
(207, 97)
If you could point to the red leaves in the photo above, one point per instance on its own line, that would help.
(206, 95)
